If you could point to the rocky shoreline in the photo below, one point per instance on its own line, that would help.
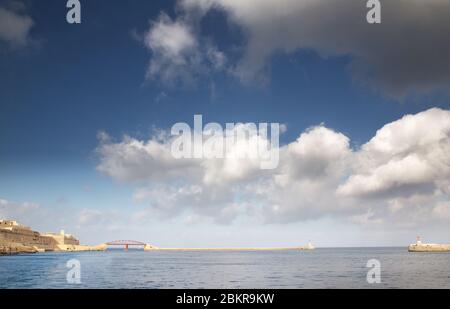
(15, 248)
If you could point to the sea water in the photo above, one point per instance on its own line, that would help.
(321, 268)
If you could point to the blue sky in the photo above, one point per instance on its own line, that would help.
(67, 83)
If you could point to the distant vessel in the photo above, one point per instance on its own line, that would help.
(421, 247)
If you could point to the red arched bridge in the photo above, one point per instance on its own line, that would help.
(125, 243)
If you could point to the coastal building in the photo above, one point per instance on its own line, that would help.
(15, 233)
(17, 238)
(62, 238)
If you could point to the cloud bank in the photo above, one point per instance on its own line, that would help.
(10, 209)
(407, 54)
(399, 176)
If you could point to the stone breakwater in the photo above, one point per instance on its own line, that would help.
(419, 246)
(429, 248)
(153, 248)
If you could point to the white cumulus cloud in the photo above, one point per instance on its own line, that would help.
(412, 153)
(400, 176)
(179, 56)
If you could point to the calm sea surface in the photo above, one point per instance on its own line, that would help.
(322, 268)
